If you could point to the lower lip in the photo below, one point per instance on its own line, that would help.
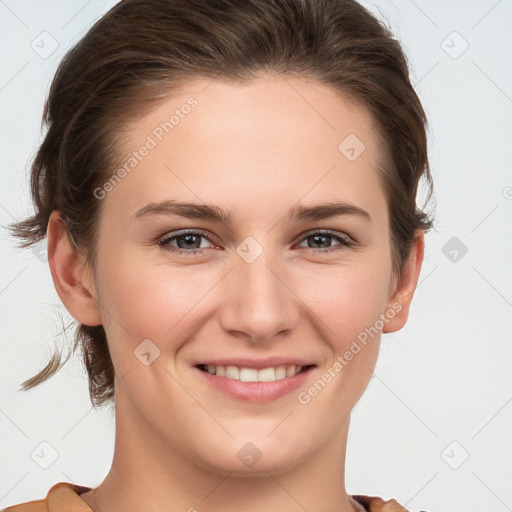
(256, 392)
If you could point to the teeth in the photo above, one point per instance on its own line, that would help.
(280, 372)
(248, 375)
(290, 371)
(267, 375)
(270, 374)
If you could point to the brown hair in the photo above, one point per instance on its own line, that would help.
(141, 50)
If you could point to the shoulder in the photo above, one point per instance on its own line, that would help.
(377, 504)
(29, 506)
(62, 497)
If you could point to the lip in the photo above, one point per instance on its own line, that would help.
(255, 392)
(258, 364)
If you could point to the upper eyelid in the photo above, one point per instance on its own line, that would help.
(175, 234)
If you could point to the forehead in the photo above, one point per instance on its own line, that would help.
(274, 139)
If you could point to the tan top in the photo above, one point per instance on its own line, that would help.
(65, 497)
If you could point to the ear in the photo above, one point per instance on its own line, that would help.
(401, 298)
(71, 278)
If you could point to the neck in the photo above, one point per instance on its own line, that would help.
(149, 474)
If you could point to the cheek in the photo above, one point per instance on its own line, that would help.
(346, 299)
(156, 301)
(348, 303)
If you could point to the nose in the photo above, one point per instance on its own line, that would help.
(260, 303)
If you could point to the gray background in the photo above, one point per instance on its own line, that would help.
(433, 429)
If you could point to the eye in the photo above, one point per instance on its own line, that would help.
(184, 240)
(320, 237)
(189, 242)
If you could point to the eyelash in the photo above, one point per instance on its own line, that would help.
(345, 243)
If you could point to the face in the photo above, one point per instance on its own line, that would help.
(276, 284)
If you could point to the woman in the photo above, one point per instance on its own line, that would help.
(229, 193)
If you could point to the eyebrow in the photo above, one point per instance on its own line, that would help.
(214, 213)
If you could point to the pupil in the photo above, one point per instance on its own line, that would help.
(187, 237)
(318, 237)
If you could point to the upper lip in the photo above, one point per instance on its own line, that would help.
(248, 362)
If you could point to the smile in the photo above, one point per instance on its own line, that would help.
(244, 374)
(254, 385)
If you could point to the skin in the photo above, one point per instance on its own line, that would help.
(256, 150)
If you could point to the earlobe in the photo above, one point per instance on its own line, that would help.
(401, 299)
(67, 266)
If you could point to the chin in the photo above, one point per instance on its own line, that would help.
(254, 458)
